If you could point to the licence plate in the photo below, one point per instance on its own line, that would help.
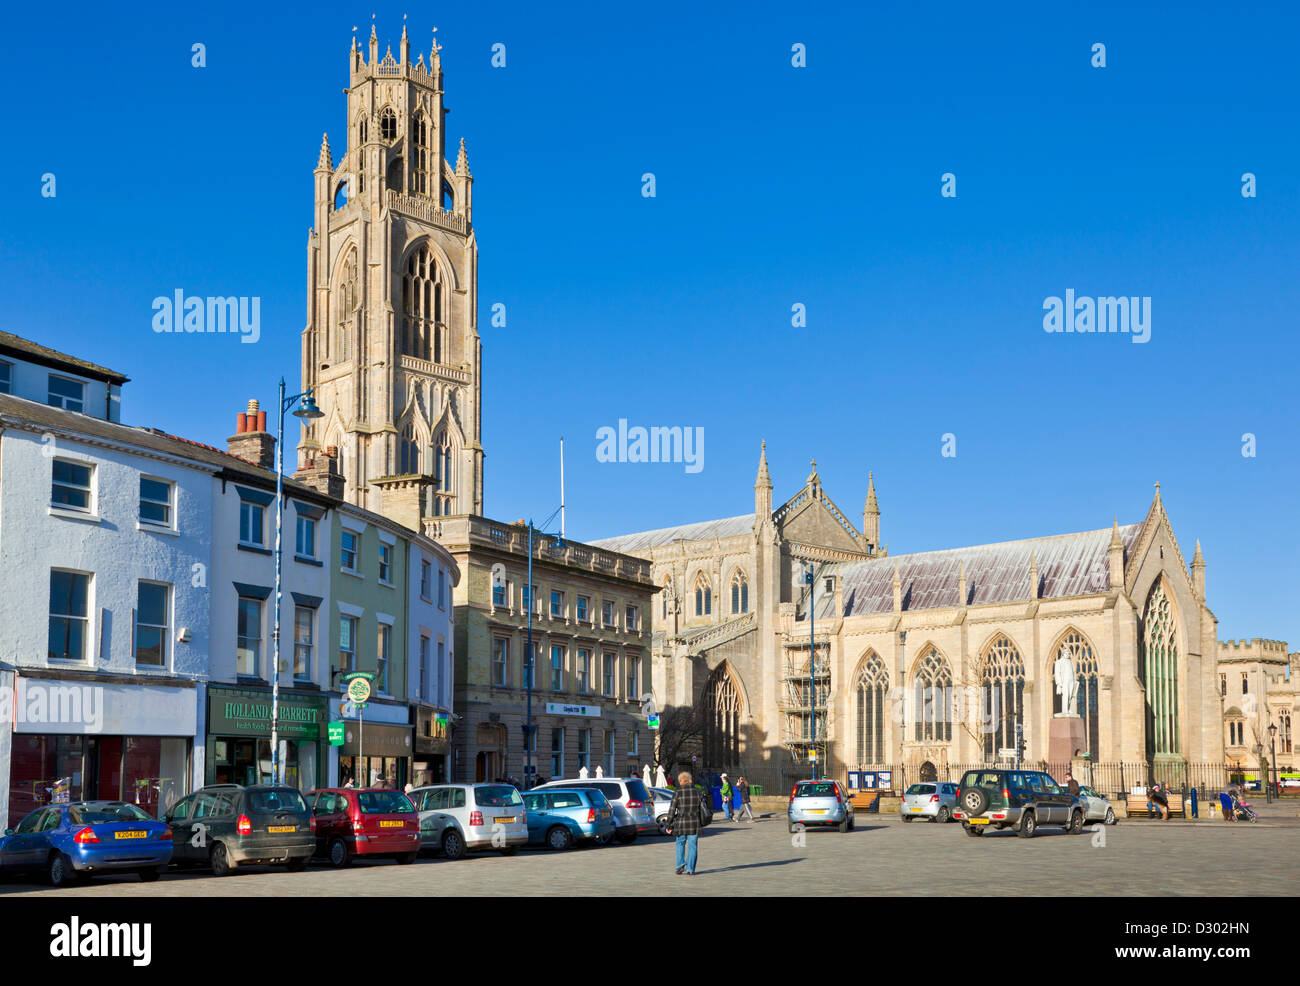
(129, 835)
(277, 829)
(978, 821)
(914, 809)
(602, 814)
(392, 825)
(816, 811)
(507, 820)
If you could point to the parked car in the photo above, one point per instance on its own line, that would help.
(822, 802)
(353, 822)
(561, 817)
(226, 826)
(634, 812)
(934, 800)
(663, 798)
(1019, 799)
(457, 818)
(1096, 807)
(72, 841)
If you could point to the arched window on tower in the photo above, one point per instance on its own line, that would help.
(420, 184)
(345, 301)
(873, 689)
(932, 695)
(387, 126)
(1079, 651)
(739, 593)
(408, 452)
(720, 715)
(442, 474)
(1002, 696)
(1160, 673)
(703, 595)
(422, 331)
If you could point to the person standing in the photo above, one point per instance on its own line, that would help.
(684, 823)
(1071, 784)
(742, 787)
(726, 792)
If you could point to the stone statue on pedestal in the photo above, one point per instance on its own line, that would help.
(1067, 684)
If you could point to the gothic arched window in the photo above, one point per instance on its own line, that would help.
(1002, 695)
(345, 307)
(422, 307)
(1088, 704)
(408, 452)
(703, 595)
(420, 157)
(1160, 672)
(739, 593)
(873, 687)
(932, 693)
(388, 126)
(720, 712)
(442, 476)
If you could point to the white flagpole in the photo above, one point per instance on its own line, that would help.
(561, 487)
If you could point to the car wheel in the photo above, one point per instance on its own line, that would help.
(1028, 825)
(221, 865)
(1076, 822)
(852, 819)
(973, 829)
(406, 859)
(662, 822)
(509, 851)
(626, 840)
(844, 826)
(297, 864)
(453, 845)
(339, 855)
(559, 838)
(794, 827)
(61, 871)
(974, 800)
(906, 819)
(149, 876)
(944, 816)
(605, 839)
(1110, 816)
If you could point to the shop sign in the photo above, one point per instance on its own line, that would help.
(336, 733)
(563, 709)
(654, 722)
(246, 712)
(357, 686)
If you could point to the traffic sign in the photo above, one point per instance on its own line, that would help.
(654, 722)
(812, 756)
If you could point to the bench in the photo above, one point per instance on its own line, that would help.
(1137, 806)
(867, 800)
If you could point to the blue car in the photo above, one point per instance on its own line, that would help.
(558, 817)
(85, 838)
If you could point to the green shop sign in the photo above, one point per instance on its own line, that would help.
(247, 712)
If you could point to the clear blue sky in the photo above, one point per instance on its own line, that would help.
(775, 185)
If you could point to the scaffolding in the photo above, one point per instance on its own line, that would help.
(805, 694)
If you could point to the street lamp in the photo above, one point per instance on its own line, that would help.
(811, 578)
(1272, 742)
(307, 412)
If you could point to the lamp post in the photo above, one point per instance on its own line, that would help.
(529, 657)
(1272, 742)
(307, 412)
(811, 579)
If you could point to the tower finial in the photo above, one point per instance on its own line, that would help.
(326, 160)
(462, 160)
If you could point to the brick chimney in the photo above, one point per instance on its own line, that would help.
(250, 440)
(322, 473)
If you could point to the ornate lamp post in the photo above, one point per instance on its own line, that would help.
(1272, 742)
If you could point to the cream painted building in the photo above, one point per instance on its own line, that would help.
(1257, 687)
(928, 661)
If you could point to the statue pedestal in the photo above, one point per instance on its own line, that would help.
(1065, 738)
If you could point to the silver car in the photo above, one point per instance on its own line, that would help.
(820, 803)
(456, 818)
(634, 808)
(1096, 807)
(934, 800)
(663, 799)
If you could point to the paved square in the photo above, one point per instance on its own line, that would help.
(881, 857)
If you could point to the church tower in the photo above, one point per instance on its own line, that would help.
(391, 349)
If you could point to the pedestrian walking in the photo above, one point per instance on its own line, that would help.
(685, 816)
(742, 786)
(726, 792)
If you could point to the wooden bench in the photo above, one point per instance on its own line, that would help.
(1138, 806)
(868, 800)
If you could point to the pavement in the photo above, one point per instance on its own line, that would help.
(882, 856)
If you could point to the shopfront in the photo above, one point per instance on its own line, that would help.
(375, 754)
(430, 763)
(239, 736)
(82, 738)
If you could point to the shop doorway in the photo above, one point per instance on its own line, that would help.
(487, 766)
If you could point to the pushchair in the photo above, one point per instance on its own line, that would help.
(1236, 810)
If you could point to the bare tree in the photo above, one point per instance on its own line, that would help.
(680, 728)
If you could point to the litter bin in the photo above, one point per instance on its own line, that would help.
(755, 790)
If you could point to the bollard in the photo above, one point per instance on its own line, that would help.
(1194, 805)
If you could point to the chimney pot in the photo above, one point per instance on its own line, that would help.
(261, 420)
(252, 406)
(241, 423)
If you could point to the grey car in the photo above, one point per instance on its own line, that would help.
(934, 800)
(822, 802)
(1096, 807)
(225, 826)
(633, 804)
(457, 818)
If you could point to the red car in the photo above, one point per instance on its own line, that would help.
(353, 822)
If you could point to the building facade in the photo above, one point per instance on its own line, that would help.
(1257, 688)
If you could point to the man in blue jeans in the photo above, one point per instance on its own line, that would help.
(684, 822)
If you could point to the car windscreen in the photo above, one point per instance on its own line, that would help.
(921, 789)
(94, 814)
(384, 803)
(637, 791)
(567, 799)
(497, 796)
(982, 778)
(279, 799)
(598, 799)
(815, 789)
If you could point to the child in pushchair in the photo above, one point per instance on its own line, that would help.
(1236, 810)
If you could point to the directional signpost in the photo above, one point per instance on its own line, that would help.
(356, 689)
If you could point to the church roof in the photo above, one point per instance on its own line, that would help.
(1068, 565)
(700, 531)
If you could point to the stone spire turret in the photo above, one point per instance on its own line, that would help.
(404, 47)
(871, 516)
(763, 486)
(462, 161)
(1033, 575)
(1198, 572)
(326, 160)
(1115, 554)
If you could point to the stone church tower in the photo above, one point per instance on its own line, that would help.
(391, 349)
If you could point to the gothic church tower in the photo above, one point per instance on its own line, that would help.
(391, 349)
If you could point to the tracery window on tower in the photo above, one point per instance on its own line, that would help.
(932, 697)
(388, 126)
(420, 184)
(739, 593)
(422, 330)
(442, 474)
(408, 452)
(1002, 696)
(345, 307)
(703, 595)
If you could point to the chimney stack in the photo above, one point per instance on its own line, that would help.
(322, 473)
(250, 440)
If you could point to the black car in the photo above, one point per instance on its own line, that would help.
(1019, 799)
(225, 825)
